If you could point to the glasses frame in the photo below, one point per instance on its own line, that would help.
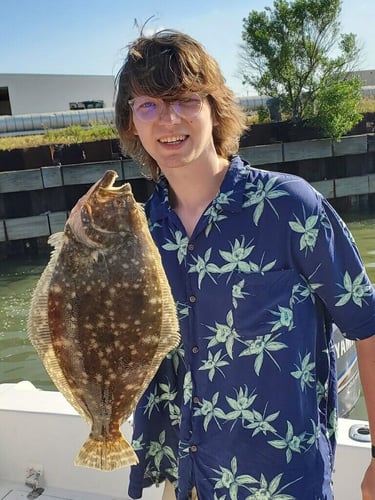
(168, 102)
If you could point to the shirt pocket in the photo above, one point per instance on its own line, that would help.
(263, 303)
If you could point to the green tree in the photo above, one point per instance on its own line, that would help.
(295, 52)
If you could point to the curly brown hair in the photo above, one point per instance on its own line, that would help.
(168, 64)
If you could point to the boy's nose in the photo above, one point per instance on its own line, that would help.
(168, 114)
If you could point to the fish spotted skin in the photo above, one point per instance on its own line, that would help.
(102, 316)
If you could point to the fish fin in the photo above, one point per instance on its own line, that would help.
(38, 326)
(170, 336)
(106, 455)
(37, 323)
(56, 240)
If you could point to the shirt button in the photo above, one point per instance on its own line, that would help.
(191, 247)
(195, 400)
(192, 298)
(193, 448)
(195, 349)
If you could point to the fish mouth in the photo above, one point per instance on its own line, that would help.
(83, 213)
(108, 180)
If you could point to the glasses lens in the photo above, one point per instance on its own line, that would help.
(188, 107)
(146, 108)
(149, 109)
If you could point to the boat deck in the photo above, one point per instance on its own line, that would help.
(18, 491)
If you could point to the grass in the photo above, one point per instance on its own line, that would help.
(74, 134)
(367, 105)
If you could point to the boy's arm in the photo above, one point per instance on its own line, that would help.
(366, 363)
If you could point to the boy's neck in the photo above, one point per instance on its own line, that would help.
(192, 189)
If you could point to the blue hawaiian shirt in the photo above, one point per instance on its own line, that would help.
(245, 408)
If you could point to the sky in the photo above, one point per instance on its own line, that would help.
(89, 37)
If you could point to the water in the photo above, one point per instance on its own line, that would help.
(18, 277)
(18, 359)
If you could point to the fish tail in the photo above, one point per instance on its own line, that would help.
(106, 455)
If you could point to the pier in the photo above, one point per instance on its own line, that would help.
(34, 203)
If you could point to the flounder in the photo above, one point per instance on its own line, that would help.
(102, 316)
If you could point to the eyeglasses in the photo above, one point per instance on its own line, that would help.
(149, 109)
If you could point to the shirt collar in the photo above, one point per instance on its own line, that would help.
(233, 187)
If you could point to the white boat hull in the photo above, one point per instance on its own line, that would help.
(41, 428)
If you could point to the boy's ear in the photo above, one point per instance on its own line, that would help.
(134, 130)
(215, 121)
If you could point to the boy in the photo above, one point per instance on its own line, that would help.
(259, 265)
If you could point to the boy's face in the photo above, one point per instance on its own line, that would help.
(172, 140)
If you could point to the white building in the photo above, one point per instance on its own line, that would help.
(367, 76)
(39, 93)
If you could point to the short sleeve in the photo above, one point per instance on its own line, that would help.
(332, 264)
